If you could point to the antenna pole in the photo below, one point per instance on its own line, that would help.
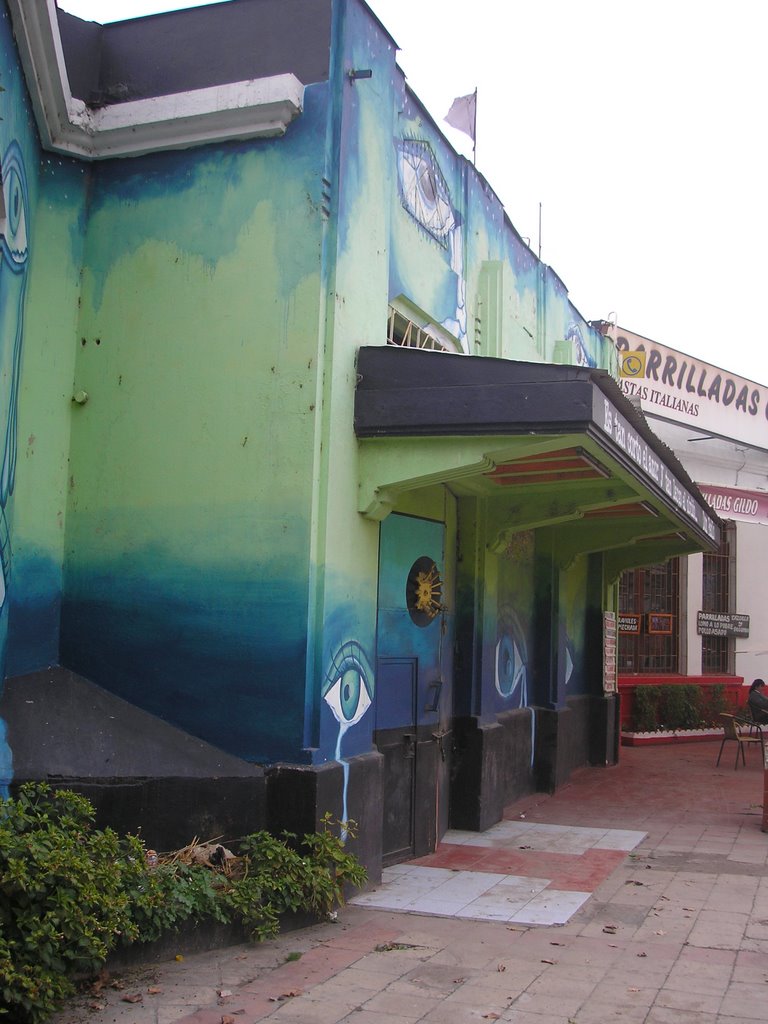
(474, 133)
(539, 231)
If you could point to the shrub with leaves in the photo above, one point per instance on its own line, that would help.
(291, 875)
(70, 892)
(646, 711)
(716, 703)
(63, 897)
(172, 895)
(675, 706)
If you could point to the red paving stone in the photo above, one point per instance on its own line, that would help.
(315, 966)
(653, 788)
(365, 937)
(700, 955)
(252, 1002)
(567, 872)
(206, 1016)
(453, 856)
(588, 871)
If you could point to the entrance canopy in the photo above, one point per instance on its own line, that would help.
(550, 445)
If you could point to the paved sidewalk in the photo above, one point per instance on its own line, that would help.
(676, 930)
(519, 872)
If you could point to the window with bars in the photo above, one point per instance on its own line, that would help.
(406, 333)
(652, 596)
(716, 650)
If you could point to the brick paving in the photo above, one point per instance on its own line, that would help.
(674, 931)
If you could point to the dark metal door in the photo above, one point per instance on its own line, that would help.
(397, 678)
(411, 693)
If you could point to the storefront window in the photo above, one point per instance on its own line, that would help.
(716, 650)
(649, 602)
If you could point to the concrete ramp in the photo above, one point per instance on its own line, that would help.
(140, 772)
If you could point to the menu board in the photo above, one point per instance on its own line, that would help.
(610, 681)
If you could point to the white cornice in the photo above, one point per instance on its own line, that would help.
(239, 110)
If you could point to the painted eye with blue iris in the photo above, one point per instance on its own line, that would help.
(348, 692)
(511, 665)
(423, 188)
(13, 281)
(511, 668)
(13, 225)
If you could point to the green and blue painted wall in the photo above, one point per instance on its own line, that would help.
(181, 475)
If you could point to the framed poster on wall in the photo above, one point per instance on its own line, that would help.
(659, 622)
(629, 622)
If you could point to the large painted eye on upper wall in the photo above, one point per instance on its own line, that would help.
(423, 189)
(13, 222)
(348, 686)
(581, 356)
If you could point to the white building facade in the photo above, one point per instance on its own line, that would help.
(711, 610)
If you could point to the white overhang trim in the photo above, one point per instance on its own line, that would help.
(238, 110)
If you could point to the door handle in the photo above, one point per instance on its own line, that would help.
(438, 738)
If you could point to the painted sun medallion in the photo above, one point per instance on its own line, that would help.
(424, 591)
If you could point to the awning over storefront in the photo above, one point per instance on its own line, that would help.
(553, 444)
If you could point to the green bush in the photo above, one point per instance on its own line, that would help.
(646, 711)
(69, 893)
(172, 895)
(63, 897)
(290, 876)
(683, 706)
(715, 704)
(680, 707)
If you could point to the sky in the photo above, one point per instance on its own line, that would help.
(638, 129)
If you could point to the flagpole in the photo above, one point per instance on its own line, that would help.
(474, 133)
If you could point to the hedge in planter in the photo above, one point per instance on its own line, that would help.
(676, 707)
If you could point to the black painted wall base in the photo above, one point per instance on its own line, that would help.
(491, 768)
(298, 796)
(605, 735)
(169, 813)
(567, 738)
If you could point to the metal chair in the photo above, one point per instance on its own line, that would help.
(743, 733)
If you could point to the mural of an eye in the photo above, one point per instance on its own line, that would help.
(424, 591)
(581, 356)
(348, 688)
(569, 663)
(423, 189)
(13, 279)
(511, 669)
(14, 230)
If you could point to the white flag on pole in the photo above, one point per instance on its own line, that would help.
(463, 114)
